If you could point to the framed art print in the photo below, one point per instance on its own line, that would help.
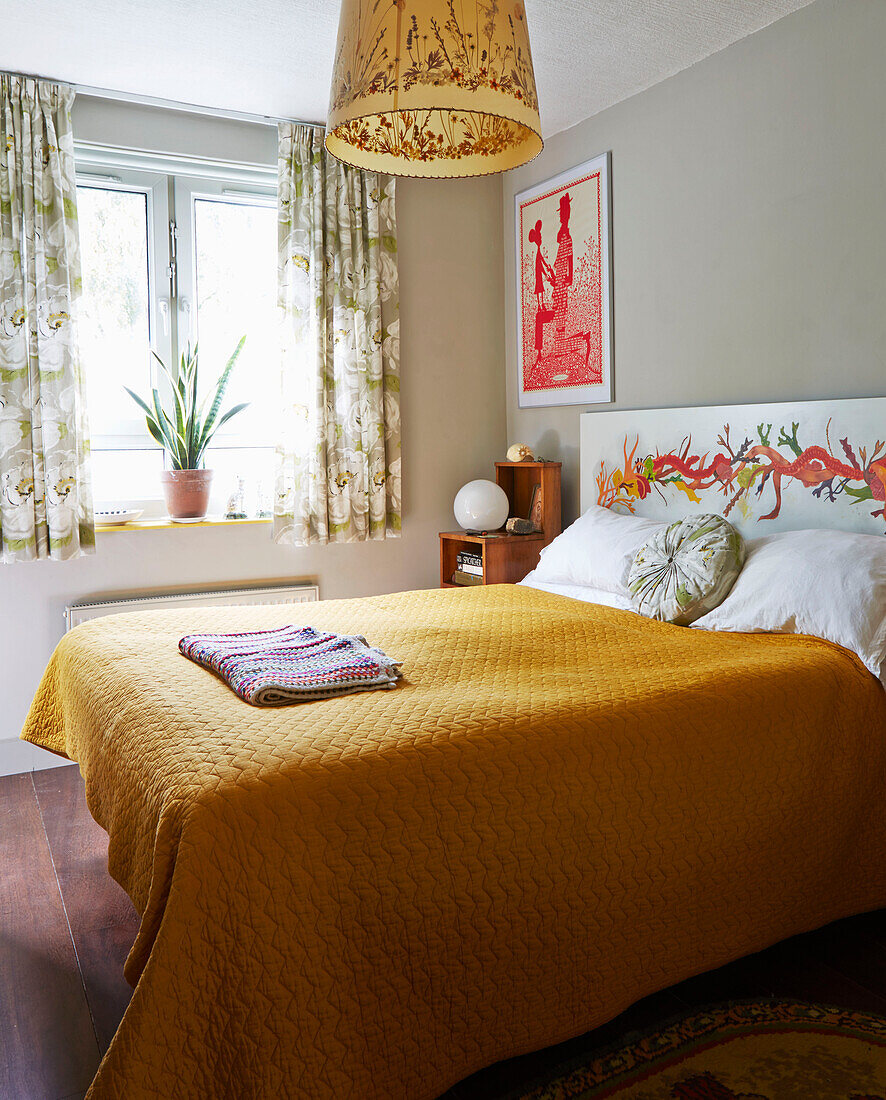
(564, 346)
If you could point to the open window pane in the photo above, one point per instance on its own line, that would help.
(114, 314)
(236, 266)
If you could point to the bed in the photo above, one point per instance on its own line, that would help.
(564, 807)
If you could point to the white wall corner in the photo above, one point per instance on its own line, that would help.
(20, 756)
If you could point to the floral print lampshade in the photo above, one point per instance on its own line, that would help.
(433, 88)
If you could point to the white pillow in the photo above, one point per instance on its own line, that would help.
(828, 583)
(596, 550)
(579, 592)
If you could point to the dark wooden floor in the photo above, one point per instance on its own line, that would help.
(66, 927)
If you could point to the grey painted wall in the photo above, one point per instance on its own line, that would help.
(451, 269)
(749, 227)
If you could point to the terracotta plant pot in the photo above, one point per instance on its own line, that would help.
(186, 492)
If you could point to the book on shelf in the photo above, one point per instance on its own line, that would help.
(466, 579)
(467, 565)
(477, 570)
(469, 557)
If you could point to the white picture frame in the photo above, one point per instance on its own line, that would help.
(563, 267)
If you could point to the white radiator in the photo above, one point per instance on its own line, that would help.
(292, 593)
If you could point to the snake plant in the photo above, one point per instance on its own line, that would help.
(183, 429)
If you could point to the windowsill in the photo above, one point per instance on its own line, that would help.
(164, 523)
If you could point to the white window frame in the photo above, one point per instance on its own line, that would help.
(171, 184)
(130, 434)
(188, 191)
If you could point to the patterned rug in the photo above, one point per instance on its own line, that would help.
(774, 1050)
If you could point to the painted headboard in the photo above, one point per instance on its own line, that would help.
(777, 467)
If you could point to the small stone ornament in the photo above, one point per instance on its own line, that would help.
(519, 452)
(518, 526)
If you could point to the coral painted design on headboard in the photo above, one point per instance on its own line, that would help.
(770, 465)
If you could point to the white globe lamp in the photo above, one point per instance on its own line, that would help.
(481, 506)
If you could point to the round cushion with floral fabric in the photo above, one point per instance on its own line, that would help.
(686, 569)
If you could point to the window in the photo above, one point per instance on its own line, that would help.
(171, 259)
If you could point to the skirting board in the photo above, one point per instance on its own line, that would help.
(18, 756)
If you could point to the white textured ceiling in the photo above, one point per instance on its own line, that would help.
(274, 57)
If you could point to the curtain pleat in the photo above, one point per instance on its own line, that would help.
(338, 462)
(45, 490)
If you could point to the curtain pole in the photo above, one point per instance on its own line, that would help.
(167, 104)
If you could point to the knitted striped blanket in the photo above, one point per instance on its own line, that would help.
(294, 664)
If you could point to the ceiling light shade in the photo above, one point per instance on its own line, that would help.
(433, 87)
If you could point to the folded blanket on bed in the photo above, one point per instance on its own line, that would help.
(294, 664)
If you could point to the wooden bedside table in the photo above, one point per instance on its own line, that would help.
(508, 558)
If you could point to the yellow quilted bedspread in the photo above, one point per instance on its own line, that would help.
(561, 809)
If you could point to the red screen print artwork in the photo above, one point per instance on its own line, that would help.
(562, 314)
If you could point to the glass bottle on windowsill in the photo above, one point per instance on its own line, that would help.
(263, 501)
(236, 508)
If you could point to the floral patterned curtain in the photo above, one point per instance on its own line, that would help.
(338, 468)
(45, 492)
